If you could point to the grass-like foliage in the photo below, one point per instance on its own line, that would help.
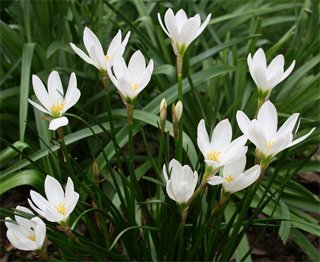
(150, 179)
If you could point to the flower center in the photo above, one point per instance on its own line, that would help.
(32, 237)
(107, 57)
(61, 208)
(270, 144)
(213, 156)
(135, 86)
(229, 179)
(57, 108)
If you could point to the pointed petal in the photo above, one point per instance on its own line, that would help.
(58, 122)
(53, 190)
(73, 93)
(259, 68)
(164, 171)
(169, 20)
(268, 119)
(41, 92)
(204, 25)
(72, 202)
(39, 107)
(114, 44)
(288, 71)
(91, 40)
(189, 31)
(181, 19)
(289, 124)
(55, 87)
(161, 24)
(80, 53)
(203, 138)
(221, 135)
(39, 200)
(136, 66)
(257, 136)
(300, 139)
(243, 122)
(40, 231)
(276, 65)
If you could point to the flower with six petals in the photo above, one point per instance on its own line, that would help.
(132, 79)
(182, 182)
(220, 150)
(267, 77)
(181, 29)
(263, 131)
(53, 101)
(234, 178)
(26, 234)
(59, 204)
(97, 57)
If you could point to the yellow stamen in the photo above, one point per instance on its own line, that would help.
(107, 57)
(270, 144)
(57, 108)
(32, 237)
(61, 208)
(229, 179)
(135, 86)
(213, 156)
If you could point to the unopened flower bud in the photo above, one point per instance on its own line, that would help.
(179, 110)
(176, 116)
(163, 115)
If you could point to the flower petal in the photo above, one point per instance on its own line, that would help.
(170, 21)
(243, 122)
(73, 93)
(41, 92)
(82, 54)
(161, 24)
(55, 89)
(189, 31)
(203, 138)
(289, 124)
(53, 190)
(275, 66)
(300, 139)
(204, 25)
(58, 122)
(39, 107)
(221, 135)
(268, 119)
(257, 136)
(235, 167)
(288, 71)
(215, 180)
(181, 19)
(136, 66)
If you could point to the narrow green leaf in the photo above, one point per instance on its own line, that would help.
(24, 86)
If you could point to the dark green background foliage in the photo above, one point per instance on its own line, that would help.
(118, 221)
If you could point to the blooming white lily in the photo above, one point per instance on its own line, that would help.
(53, 101)
(182, 182)
(132, 79)
(263, 131)
(267, 77)
(234, 178)
(181, 29)
(25, 234)
(59, 204)
(220, 150)
(97, 57)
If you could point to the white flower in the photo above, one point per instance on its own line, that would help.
(182, 182)
(263, 131)
(267, 77)
(220, 150)
(53, 101)
(233, 178)
(97, 57)
(181, 29)
(59, 205)
(132, 79)
(26, 234)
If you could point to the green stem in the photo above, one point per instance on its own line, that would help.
(179, 75)
(62, 144)
(105, 81)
